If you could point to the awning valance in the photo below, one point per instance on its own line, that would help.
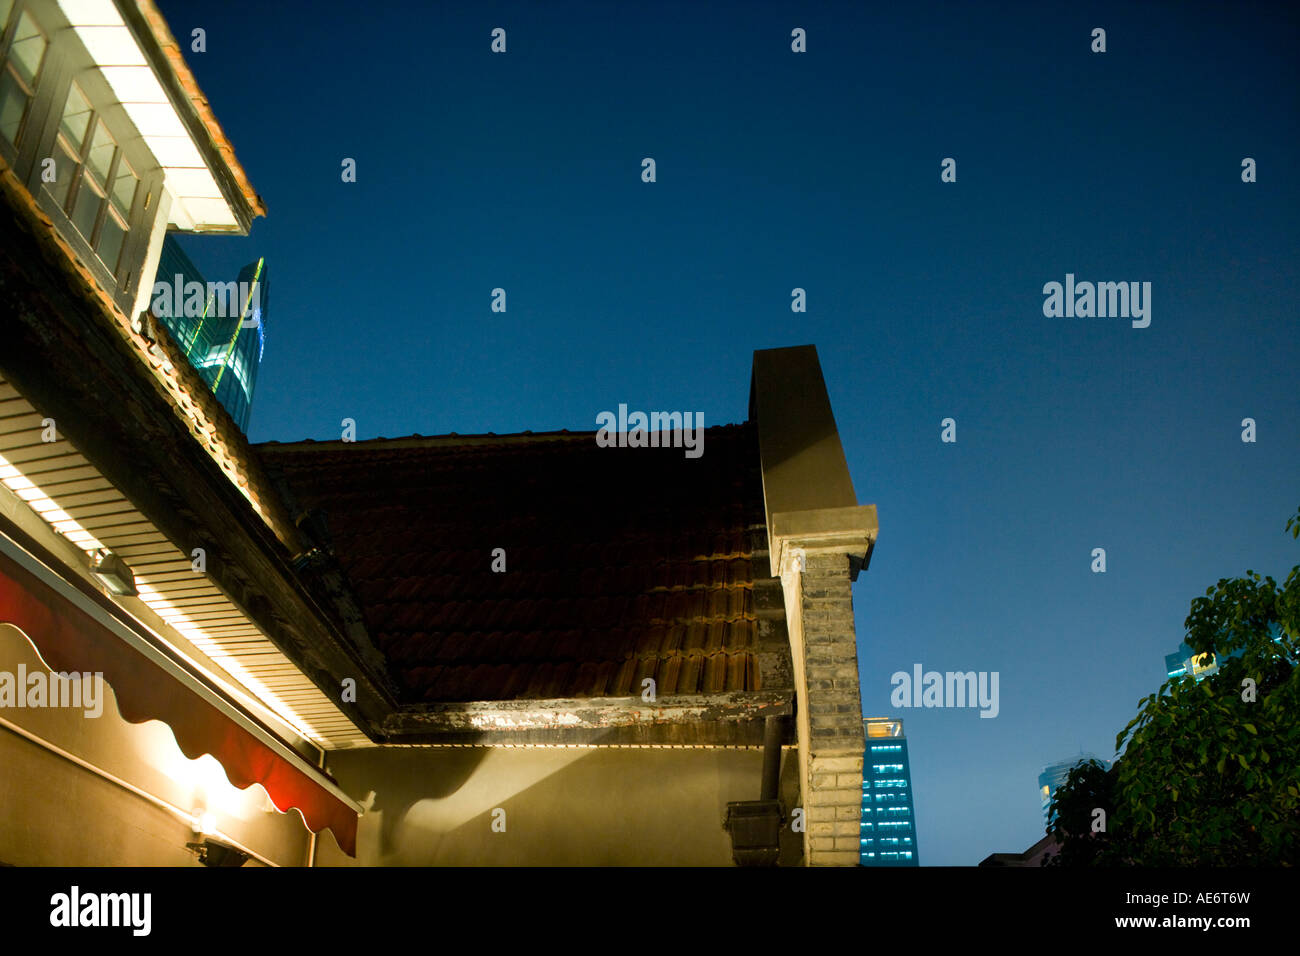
(73, 631)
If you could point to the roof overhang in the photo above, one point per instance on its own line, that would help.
(181, 471)
(88, 516)
(696, 720)
(142, 63)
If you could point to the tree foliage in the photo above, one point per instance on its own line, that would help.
(1089, 788)
(1210, 771)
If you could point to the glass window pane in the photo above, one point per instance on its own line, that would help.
(111, 235)
(85, 209)
(123, 192)
(13, 104)
(6, 7)
(100, 157)
(76, 115)
(28, 49)
(65, 172)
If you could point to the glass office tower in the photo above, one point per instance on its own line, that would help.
(888, 819)
(1054, 775)
(1182, 663)
(220, 326)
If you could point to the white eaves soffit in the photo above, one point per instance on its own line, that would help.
(197, 201)
(196, 618)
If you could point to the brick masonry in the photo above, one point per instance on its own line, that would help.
(819, 610)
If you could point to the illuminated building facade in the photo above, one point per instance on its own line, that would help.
(1054, 775)
(888, 817)
(221, 327)
(1183, 663)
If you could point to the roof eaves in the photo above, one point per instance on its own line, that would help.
(208, 421)
(165, 54)
(730, 719)
(448, 440)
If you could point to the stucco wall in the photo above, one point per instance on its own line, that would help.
(565, 807)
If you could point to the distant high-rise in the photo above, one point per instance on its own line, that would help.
(1182, 663)
(220, 326)
(1054, 775)
(888, 818)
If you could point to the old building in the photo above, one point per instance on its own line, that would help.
(1036, 855)
(496, 649)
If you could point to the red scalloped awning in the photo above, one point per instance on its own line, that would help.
(69, 639)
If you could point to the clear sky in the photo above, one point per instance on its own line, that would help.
(821, 170)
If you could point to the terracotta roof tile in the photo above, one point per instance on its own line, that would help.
(621, 564)
(688, 680)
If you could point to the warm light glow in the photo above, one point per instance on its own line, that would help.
(183, 625)
(202, 782)
(66, 525)
(884, 727)
(112, 46)
(525, 720)
(44, 506)
(203, 823)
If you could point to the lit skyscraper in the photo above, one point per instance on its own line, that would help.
(1054, 775)
(888, 819)
(1183, 662)
(221, 326)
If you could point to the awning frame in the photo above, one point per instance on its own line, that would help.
(142, 639)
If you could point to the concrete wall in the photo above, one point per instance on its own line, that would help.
(562, 806)
(56, 813)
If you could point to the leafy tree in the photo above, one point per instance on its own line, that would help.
(1088, 788)
(1210, 775)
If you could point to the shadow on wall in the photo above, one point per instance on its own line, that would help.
(401, 778)
(553, 806)
(791, 842)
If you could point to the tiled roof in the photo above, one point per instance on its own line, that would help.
(621, 563)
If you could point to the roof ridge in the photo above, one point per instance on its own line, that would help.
(450, 439)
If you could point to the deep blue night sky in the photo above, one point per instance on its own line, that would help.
(821, 170)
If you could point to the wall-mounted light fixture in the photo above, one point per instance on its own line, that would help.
(215, 853)
(209, 851)
(114, 572)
